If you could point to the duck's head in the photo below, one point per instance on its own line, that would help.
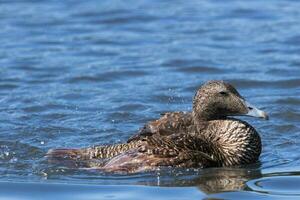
(218, 99)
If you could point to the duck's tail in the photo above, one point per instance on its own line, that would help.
(71, 154)
(97, 152)
(70, 158)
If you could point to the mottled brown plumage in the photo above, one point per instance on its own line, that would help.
(205, 137)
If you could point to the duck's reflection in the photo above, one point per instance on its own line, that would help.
(208, 181)
(212, 180)
(225, 179)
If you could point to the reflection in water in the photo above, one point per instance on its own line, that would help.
(210, 180)
(226, 179)
(220, 180)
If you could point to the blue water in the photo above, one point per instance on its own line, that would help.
(81, 73)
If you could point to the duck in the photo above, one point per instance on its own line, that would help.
(208, 136)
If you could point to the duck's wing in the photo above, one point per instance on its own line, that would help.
(85, 154)
(176, 150)
(169, 123)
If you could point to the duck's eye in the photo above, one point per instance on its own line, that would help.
(223, 93)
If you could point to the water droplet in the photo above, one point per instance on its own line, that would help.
(13, 160)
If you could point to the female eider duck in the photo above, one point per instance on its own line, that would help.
(205, 137)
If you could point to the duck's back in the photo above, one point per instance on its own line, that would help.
(169, 123)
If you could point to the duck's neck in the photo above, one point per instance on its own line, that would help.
(232, 142)
(203, 114)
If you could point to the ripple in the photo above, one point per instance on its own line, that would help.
(250, 13)
(132, 107)
(288, 115)
(282, 185)
(284, 128)
(43, 108)
(106, 77)
(177, 63)
(294, 40)
(281, 72)
(74, 97)
(289, 101)
(291, 83)
(199, 69)
(92, 14)
(126, 19)
(8, 86)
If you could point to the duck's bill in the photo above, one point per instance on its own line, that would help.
(255, 112)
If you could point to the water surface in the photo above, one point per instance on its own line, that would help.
(76, 74)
